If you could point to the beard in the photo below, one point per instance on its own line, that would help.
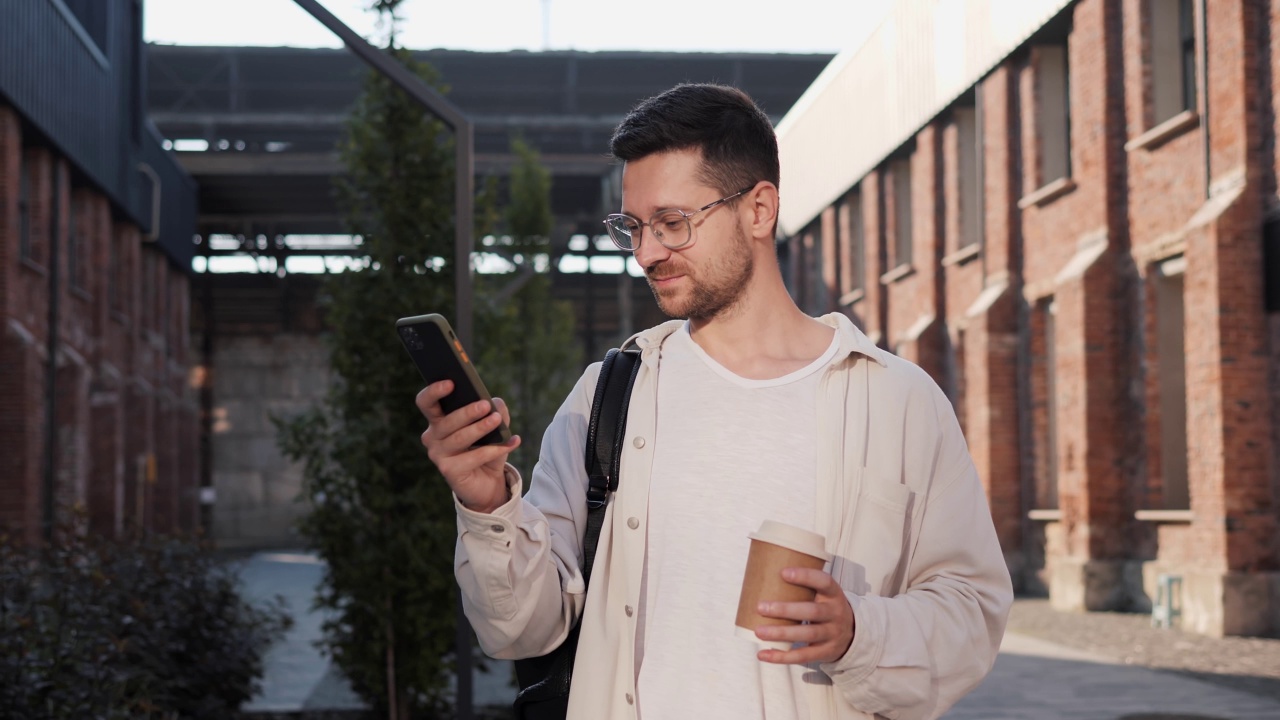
(714, 290)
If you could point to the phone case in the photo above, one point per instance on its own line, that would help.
(439, 355)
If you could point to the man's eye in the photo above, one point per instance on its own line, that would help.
(671, 223)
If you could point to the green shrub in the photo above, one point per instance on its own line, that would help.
(149, 627)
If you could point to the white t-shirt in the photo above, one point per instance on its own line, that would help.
(729, 453)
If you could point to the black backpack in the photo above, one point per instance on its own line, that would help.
(544, 681)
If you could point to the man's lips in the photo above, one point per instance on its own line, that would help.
(664, 280)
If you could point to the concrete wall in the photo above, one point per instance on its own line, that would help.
(255, 378)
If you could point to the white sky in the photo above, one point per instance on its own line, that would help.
(825, 26)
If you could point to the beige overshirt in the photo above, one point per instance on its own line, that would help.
(898, 499)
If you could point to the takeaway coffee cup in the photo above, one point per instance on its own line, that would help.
(773, 547)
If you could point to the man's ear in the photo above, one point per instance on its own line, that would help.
(762, 201)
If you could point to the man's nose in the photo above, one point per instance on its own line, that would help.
(648, 250)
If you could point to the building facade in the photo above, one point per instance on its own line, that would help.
(96, 227)
(1067, 213)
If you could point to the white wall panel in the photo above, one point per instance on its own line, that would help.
(873, 98)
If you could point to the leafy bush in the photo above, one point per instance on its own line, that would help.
(150, 627)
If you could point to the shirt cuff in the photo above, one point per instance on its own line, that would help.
(864, 653)
(500, 524)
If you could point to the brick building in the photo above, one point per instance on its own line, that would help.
(1067, 213)
(96, 226)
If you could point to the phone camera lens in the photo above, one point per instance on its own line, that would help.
(411, 338)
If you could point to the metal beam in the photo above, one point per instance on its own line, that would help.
(437, 105)
(204, 118)
(208, 164)
(261, 164)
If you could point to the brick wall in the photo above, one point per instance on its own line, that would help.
(915, 328)
(1065, 411)
(121, 358)
(869, 309)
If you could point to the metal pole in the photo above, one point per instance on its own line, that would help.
(206, 395)
(464, 200)
(465, 179)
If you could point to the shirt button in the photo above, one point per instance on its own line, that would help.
(497, 528)
(629, 611)
(633, 523)
(638, 442)
(630, 700)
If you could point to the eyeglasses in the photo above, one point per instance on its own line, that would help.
(672, 227)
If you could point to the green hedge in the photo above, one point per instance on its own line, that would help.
(147, 627)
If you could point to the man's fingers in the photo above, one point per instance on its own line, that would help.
(497, 453)
(428, 399)
(800, 611)
(460, 465)
(445, 427)
(463, 438)
(809, 634)
(828, 621)
(816, 579)
(443, 441)
(798, 656)
(501, 406)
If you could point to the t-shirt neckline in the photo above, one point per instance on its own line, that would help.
(827, 356)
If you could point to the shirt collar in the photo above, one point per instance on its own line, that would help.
(852, 340)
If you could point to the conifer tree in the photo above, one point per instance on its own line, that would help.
(381, 517)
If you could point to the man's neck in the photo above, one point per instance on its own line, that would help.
(765, 336)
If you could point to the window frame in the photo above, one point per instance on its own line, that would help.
(1045, 174)
(901, 180)
(969, 202)
(851, 238)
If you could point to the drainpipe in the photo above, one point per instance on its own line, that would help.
(1204, 102)
(51, 357)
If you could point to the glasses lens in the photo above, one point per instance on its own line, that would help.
(671, 228)
(623, 230)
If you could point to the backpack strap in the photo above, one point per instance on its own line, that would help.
(605, 434)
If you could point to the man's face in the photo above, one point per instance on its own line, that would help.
(708, 277)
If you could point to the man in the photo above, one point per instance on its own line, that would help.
(750, 410)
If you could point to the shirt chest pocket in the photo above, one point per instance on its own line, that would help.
(875, 542)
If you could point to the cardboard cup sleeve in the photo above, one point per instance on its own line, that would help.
(773, 547)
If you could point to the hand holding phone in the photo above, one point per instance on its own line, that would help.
(467, 436)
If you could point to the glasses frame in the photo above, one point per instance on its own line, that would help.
(688, 219)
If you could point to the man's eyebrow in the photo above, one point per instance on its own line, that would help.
(656, 210)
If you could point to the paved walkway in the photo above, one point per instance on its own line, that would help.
(1038, 680)
(1033, 679)
(296, 675)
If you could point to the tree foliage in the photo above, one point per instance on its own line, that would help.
(382, 517)
(538, 358)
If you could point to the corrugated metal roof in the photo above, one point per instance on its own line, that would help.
(873, 98)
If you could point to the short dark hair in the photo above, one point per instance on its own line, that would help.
(739, 147)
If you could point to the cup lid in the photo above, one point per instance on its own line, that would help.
(792, 538)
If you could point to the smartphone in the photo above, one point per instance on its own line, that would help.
(439, 356)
